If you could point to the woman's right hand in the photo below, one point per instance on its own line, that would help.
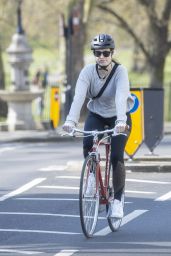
(68, 126)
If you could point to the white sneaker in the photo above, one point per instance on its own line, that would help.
(116, 209)
(90, 185)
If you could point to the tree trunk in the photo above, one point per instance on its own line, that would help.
(75, 37)
(77, 43)
(156, 73)
(158, 50)
(2, 80)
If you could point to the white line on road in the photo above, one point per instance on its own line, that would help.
(164, 197)
(22, 189)
(52, 199)
(105, 231)
(76, 188)
(139, 192)
(53, 168)
(68, 177)
(149, 181)
(6, 149)
(38, 231)
(19, 251)
(66, 253)
(46, 199)
(130, 180)
(59, 187)
(45, 214)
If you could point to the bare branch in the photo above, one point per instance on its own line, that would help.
(147, 3)
(169, 45)
(152, 15)
(124, 25)
(167, 11)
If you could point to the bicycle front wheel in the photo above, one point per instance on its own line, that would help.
(88, 201)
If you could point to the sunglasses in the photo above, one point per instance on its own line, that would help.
(104, 53)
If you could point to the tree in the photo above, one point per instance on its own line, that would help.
(75, 34)
(158, 46)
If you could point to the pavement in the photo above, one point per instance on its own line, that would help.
(143, 163)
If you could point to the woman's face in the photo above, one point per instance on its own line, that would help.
(103, 56)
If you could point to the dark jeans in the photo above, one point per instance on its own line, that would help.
(118, 143)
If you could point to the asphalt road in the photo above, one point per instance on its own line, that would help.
(39, 212)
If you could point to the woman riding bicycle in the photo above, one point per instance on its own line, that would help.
(110, 109)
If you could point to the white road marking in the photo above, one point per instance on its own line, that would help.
(66, 253)
(38, 231)
(164, 197)
(51, 199)
(19, 251)
(46, 199)
(45, 214)
(59, 187)
(68, 177)
(130, 180)
(53, 168)
(22, 189)
(139, 192)
(77, 188)
(148, 181)
(2, 150)
(105, 231)
(157, 243)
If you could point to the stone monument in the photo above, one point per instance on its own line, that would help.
(20, 95)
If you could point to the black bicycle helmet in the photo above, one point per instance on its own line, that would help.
(102, 41)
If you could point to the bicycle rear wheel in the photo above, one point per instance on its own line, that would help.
(88, 204)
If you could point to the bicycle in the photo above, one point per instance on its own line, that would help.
(102, 192)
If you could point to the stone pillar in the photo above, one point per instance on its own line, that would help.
(19, 96)
(20, 58)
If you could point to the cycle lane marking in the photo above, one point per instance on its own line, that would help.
(164, 197)
(20, 251)
(66, 253)
(148, 181)
(45, 214)
(53, 168)
(130, 180)
(22, 189)
(127, 218)
(77, 188)
(46, 199)
(6, 149)
(52, 199)
(38, 231)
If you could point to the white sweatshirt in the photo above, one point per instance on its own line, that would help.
(116, 99)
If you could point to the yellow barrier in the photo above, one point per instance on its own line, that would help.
(136, 137)
(55, 106)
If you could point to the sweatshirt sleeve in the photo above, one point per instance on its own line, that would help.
(81, 88)
(122, 93)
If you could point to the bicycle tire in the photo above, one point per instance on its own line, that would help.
(88, 205)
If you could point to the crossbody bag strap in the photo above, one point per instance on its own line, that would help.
(107, 81)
